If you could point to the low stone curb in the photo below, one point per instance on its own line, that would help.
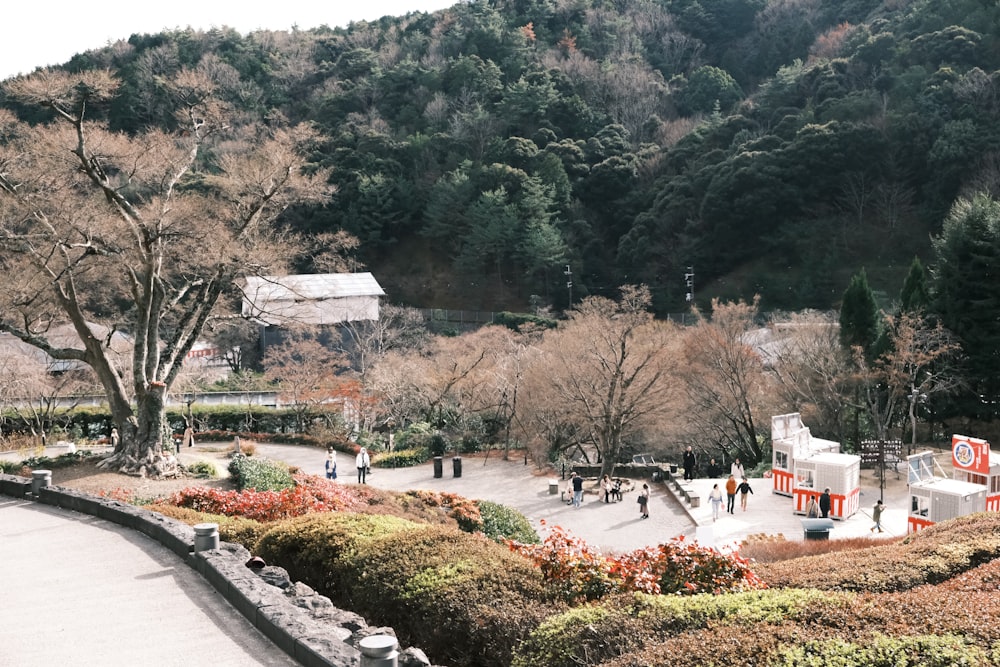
(302, 623)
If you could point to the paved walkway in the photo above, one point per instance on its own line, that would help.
(614, 526)
(81, 591)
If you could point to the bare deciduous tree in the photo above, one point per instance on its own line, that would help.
(920, 363)
(812, 370)
(308, 374)
(604, 376)
(725, 381)
(397, 328)
(37, 394)
(144, 232)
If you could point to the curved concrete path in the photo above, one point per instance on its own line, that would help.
(81, 591)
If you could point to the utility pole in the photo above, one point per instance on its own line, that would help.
(569, 286)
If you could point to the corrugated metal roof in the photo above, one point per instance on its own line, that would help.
(314, 286)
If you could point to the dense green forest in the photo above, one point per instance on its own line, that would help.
(777, 147)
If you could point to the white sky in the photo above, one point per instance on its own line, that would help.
(35, 33)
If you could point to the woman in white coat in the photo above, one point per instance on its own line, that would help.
(362, 461)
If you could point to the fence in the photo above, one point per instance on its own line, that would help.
(441, 318)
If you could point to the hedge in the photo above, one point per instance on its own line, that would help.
(464, 599)
(259, 474)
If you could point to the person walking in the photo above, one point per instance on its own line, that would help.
(745, 490)
(736, 470)
(690, 463)
(731, 495)
(331, 464)
(362, 461)
(715, 497)
(877, 516)
(606, 488)
(577, 490)
(824, 503)
(644, 502)
(812, 509)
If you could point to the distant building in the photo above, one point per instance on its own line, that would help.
(316, 299)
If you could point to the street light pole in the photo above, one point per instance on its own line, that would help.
(915, 395)
(569, 285)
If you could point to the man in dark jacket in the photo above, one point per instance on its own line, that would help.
(690, 462)
(824, 503)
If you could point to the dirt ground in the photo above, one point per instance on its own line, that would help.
(89, 478)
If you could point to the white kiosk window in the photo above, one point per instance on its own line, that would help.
(781, 460)
(804, 479)
(919, 506)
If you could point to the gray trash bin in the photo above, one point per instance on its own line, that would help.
(816, 529)
(456, 466)
(438, 467)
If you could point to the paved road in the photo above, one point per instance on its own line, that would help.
(81, 591)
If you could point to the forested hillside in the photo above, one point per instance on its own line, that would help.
(776, 146)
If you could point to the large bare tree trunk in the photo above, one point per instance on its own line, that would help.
(141, 448)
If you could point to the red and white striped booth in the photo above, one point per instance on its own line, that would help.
(841, 473)
(972, 461)
(790, 441)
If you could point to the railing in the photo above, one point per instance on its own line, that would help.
(258, 398)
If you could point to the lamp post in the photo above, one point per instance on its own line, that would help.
(569, 285)
(915, 396)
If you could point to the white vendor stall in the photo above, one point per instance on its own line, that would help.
(934, 499)
(841, 473)
(791, 441)
(972, 461)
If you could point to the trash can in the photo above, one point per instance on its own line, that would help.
(456, 466)
(673, 469)
(40, 479)
(816, 529)
(438, 467)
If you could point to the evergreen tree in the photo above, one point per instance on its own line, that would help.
(859, 315)
(967, 295)
(914, 296)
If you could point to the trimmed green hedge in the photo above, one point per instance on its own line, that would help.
(623, 623)
(401, 458)
(259, 474)
(464, 599)
(885, 651)
(500, 522)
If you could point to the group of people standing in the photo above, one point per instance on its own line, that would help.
(610, 490)
(821, 509)
(736, 484)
